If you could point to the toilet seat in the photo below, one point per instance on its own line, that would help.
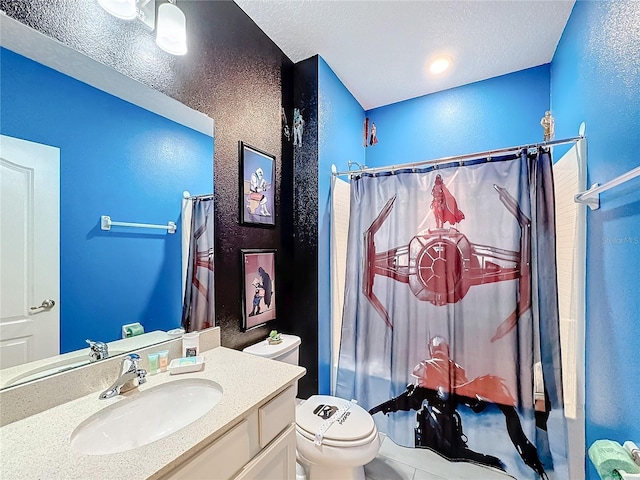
(354, 428)
(338, 443)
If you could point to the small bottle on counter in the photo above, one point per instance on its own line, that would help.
(190, 344)
(153, 363)
(164, 360)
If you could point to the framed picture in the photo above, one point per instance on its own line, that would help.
(257, 182)
(258, 287)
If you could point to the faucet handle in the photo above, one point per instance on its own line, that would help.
(97, 350)
(142, 376)
(130, 363)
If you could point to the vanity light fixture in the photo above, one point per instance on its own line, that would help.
(439, 65)
(171, 35)
(143, 10)
(124, 9)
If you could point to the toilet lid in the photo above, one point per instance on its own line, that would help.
(354, 424)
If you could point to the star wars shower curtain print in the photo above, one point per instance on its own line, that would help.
(198, 308)
(450, 300)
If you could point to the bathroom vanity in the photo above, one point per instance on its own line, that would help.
(248, 434)
(261, 446)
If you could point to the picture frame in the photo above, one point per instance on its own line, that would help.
(258, 287)
(257, 186)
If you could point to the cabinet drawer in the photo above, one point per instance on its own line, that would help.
(221, 460)
(276, 415)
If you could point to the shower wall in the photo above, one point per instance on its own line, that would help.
(595, 78)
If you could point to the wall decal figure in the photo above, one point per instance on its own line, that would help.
(286, 132)
(548, 126)
(298, 127)
(374, 136)
(365, 139)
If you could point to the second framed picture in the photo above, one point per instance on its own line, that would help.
(257, 183)
(258, 287)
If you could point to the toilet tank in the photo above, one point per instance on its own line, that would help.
(287, 351)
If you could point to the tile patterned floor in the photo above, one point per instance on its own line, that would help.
(399, 463)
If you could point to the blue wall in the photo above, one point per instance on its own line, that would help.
(116, 159)
(595, 78)
(499, 112)
(340, 127)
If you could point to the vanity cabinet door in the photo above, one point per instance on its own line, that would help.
(220, 460)
(276, 462)
(276, 415)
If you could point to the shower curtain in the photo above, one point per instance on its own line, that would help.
(197, 309)
(450, 300)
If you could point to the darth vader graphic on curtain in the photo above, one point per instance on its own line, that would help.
(450, 301)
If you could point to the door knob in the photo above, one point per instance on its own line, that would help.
(45, 304)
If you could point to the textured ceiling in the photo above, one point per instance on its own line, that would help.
(379, 49)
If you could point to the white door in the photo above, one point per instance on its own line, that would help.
(29, 251)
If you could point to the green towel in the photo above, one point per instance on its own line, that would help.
(134, 329)
(608, 457)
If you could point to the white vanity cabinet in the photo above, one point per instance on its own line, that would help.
(249, 434)
(261, 447)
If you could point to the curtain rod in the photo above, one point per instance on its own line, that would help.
(592, 196)
(459, 158)
(187, 196)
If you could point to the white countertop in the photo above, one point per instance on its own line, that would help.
(38, 446)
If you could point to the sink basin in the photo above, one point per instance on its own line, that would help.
(146, 416)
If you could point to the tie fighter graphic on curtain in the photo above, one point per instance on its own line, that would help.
(441, 265)
(198, 306)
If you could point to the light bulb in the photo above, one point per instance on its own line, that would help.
(440, 65)
(171, 35)
(124, 9)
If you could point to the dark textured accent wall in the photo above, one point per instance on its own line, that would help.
(304, 314)
(235, 74)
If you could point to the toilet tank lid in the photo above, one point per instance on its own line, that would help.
(264, 349)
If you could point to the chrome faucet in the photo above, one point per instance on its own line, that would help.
(130, 377)
(97, 350)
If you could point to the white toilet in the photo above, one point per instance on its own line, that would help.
(349, 438)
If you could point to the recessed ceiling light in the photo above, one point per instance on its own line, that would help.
(440, 65)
